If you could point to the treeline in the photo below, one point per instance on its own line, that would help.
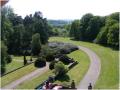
(17, 32)
(21, 36)
(97, 29)
(60, 31)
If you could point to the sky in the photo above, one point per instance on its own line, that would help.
(65, 9)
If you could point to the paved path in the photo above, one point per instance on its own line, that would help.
(29, 76)
(94, 69)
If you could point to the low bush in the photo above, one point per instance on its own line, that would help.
(48, 53)
(40, 62)
(65, 59)
(60, 69)
(51, 65)
(8, 59)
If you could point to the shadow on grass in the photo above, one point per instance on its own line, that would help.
(63, 78)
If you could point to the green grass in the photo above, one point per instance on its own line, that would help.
(21, 58)
(13, 65)
(31, 84)
(109, 76)
(17, 61)
(75, 73)
(16, 74)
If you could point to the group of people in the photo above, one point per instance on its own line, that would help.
(52, 86)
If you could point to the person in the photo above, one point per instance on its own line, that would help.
(47, 85)
(90, 86)
(73, 84)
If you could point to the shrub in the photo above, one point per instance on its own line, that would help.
(3, 69)
(8, 59)
(51, 65)
(65, 59)
(48, 53)
(73, 84)
(60, 69)
(40, 62)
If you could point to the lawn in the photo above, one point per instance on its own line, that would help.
(109, 76)
(13, 65)
(17, 61)
(20, 58)
(17, 74)
(76, 73)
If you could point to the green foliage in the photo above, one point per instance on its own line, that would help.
(102, 36)
(75, 29)
(51, 65)
(3, 57)
(48, 53)
(113, 36)
(36, 44)
(102, 30)
(73, 84)
(109, 34)
(25, 61)
(8, 59)
(40, 62)
(60, 69)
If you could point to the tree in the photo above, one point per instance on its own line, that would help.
(52, 64)
(75, 29)
(8, 59)
(93, 28)
(25, 61)
(15, 41)
(102, 36)
(41, 27)
(108, 34)
(60, 69)
(3, 57)
(40, 62)
(84, 23)
(36, 44)
(113, 36)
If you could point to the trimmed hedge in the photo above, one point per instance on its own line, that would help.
(40, 62)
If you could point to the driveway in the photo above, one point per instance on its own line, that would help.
(94, 69)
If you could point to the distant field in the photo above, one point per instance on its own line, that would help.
(76, 73)
(109, 76)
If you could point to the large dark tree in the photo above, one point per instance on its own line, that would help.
(36, 44)
(3, 57)
(75, 30)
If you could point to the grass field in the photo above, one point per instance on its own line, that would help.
(76, 73)
(109, 76)
(21, 58)
(17, 61)
(13, 65)
(16, 74)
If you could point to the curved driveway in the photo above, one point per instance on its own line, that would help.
(94, 69)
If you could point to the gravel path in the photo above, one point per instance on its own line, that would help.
(29, 76)
(94, 69)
